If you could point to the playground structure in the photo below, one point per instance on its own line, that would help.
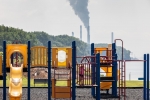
(40, 56)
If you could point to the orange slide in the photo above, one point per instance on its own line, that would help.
(15, 85)
(106, 85)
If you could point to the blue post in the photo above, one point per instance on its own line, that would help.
(4, 70)
(147, 76)
(144, 82)
(115, 75)
(73, 70)
(113, 68)
(93, 71)
(98, 76)
(49, 70)
(29, 70)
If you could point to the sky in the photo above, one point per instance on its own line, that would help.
(128, 19)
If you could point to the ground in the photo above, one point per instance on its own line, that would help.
(81, 94)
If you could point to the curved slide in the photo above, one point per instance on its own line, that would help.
(15, 84)
(107, 85)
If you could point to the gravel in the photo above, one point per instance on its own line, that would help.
(81, 93)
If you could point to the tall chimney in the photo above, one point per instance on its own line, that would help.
(80, 32)
(73, 34)
(112, 37)
(88, 35)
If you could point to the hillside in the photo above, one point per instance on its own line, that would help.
(40, 38)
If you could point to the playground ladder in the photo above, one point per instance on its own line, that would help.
(62, 92)
(122, 92)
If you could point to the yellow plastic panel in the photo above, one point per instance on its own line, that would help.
(0, 65)
(11, 48)
(15, 85)
(39, 56)
(61, 57)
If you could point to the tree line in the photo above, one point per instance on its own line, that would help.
(11, 34)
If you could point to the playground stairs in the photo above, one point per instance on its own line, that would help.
(63, 91)
(107, 78)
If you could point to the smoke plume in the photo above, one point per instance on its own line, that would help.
(81, 10)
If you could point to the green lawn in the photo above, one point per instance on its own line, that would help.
(64, 83)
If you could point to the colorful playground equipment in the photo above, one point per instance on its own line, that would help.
(15, 85)
(65, 58)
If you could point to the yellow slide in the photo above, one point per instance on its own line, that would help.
(107, 85)
(15, 85)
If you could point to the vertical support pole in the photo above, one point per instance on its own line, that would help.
(29, 70)
(73, 70)
(4, 70)
(113, 68)
(144, 89)
(97, 76)
(49, 70)
(115, 75)
(93, 70)
(147, 76)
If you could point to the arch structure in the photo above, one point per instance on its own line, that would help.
(11, 48)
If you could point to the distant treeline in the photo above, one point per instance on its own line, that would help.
(40, 38)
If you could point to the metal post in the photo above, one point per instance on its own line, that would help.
(147, 76)
(93, 71)
(113, 68)
(115, 76)
(28, 70)
(49, 70)
(73, 70)
(144, 89)
(4, 70)
(98, 76)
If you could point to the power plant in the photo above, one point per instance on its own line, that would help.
(88, 34)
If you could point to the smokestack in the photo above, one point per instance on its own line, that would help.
(73, 34)
(80, 32)
(112, 37)
(88, 35)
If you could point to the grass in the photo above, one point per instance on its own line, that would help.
(64, 83)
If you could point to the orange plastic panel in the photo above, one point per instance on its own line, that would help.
(0, 65)
(62, 95)
(39, 56)
(11, 48)
(109, 54)
(100, 50)
(61, 57)
(61, 91)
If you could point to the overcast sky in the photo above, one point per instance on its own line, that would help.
(128, 19)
